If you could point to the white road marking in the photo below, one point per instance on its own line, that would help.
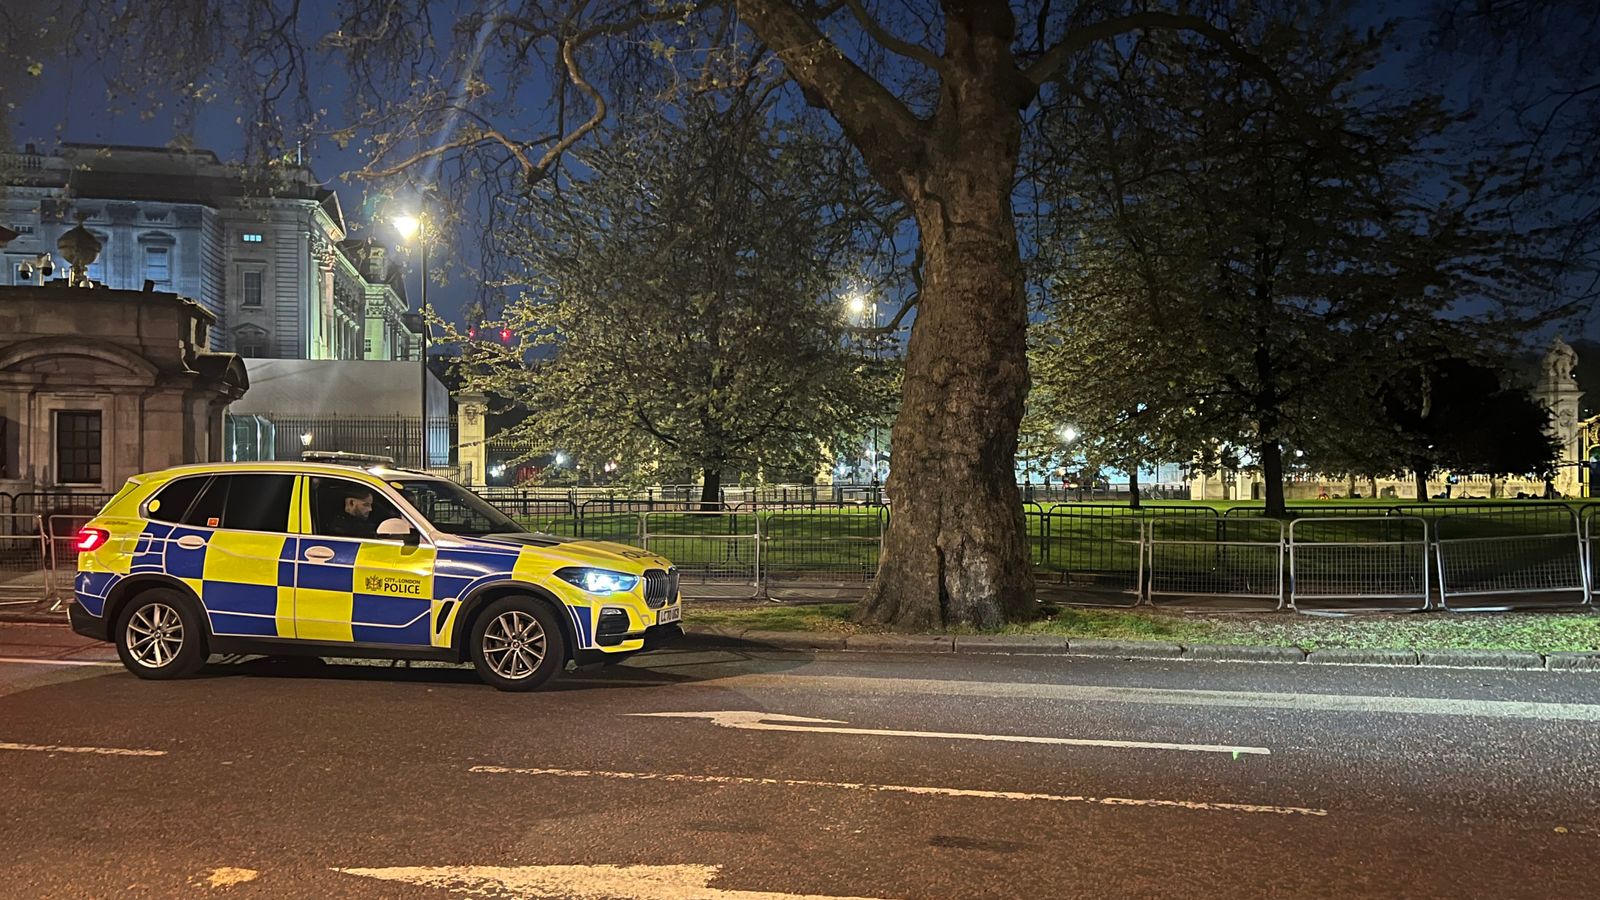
(758, 721)
(99, 751)
(691, 882)
(1428, 706)
(228, 876)
(906, 789)
(26, 661)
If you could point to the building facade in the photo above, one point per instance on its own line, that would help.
(97, 385)
(269, 257)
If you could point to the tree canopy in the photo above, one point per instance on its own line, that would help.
(680, 308)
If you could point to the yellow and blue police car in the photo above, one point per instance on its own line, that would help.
(319, 559)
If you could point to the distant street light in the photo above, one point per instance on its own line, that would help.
(410, 227)
(1068, 434)
(561, 459)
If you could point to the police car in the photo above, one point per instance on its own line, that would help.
(341, 560)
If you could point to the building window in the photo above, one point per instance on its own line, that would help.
(158, 265)
(252, 289)
(251, 345)
(251, 237)
(78, 447)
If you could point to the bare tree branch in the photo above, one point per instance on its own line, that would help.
(913, 52)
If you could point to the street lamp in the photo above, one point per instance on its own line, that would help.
(411, 226)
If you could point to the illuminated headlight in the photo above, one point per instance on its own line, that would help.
(599, 581)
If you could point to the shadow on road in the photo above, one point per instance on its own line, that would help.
(663, 668)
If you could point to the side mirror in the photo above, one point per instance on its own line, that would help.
(400, 528)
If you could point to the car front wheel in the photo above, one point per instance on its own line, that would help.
(517, 644)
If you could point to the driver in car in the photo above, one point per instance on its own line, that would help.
(353, 518)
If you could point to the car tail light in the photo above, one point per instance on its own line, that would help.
(90, 539)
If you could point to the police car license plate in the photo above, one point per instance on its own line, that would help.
(668, 615)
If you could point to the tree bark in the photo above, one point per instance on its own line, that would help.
(711, 489)
(1422, 485)
(955, 551)
(1272, 478)
(1133, 486)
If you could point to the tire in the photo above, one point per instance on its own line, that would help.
(159, 635)
(517, 644)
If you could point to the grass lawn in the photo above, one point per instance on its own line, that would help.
(1547, 632)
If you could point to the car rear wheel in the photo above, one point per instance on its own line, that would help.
(159, 635)
(517, 644)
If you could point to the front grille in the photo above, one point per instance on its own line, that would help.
(660, 587)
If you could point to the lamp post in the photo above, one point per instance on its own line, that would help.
(409, 227)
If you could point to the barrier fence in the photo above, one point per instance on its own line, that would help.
(1404, 557)
(1359, 564)
(25, 567)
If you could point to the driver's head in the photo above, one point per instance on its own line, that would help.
(358, 503)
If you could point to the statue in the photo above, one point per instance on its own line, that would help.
(1561, 361)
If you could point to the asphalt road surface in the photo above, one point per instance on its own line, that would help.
(928, 777)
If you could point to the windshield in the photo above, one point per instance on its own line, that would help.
(454, 509)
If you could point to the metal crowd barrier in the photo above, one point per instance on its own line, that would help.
(24, 559)
(717, 554)
(1090, 560)
(1511, 560)
(839, 546)
(1236, 566)
(1350, 564)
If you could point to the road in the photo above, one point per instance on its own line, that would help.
(931, 777)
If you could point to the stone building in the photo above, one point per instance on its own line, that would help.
(269, 256)
(98, 384)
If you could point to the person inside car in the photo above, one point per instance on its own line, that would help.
(353, 516)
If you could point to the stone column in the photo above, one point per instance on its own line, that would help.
(473, 454)
(1559, 391)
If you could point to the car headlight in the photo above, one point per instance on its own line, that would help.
(599, 581)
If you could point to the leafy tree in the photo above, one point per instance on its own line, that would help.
(680, 302)
(1279, 246)
(1103, 367)
(1458, 415)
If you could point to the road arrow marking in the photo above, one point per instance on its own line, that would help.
(972, 793)
(759, 721)
(580, 882)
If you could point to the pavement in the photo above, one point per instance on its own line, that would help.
(766, 773)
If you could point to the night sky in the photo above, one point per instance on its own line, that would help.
(68, 104)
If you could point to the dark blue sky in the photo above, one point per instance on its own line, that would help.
(71, 106)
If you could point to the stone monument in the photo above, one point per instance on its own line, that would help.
(1559, 391)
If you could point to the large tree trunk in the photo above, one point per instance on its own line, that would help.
(1272, 478)
(1133, 486)
(1422, 485)
(955, 552)
(711, 489)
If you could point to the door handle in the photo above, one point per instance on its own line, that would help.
(191, 542)
(319, 554)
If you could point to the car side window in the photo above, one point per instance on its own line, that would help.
(238, 502)
(206, 510)
(344, 508)
(171, 503)
(257, 502)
